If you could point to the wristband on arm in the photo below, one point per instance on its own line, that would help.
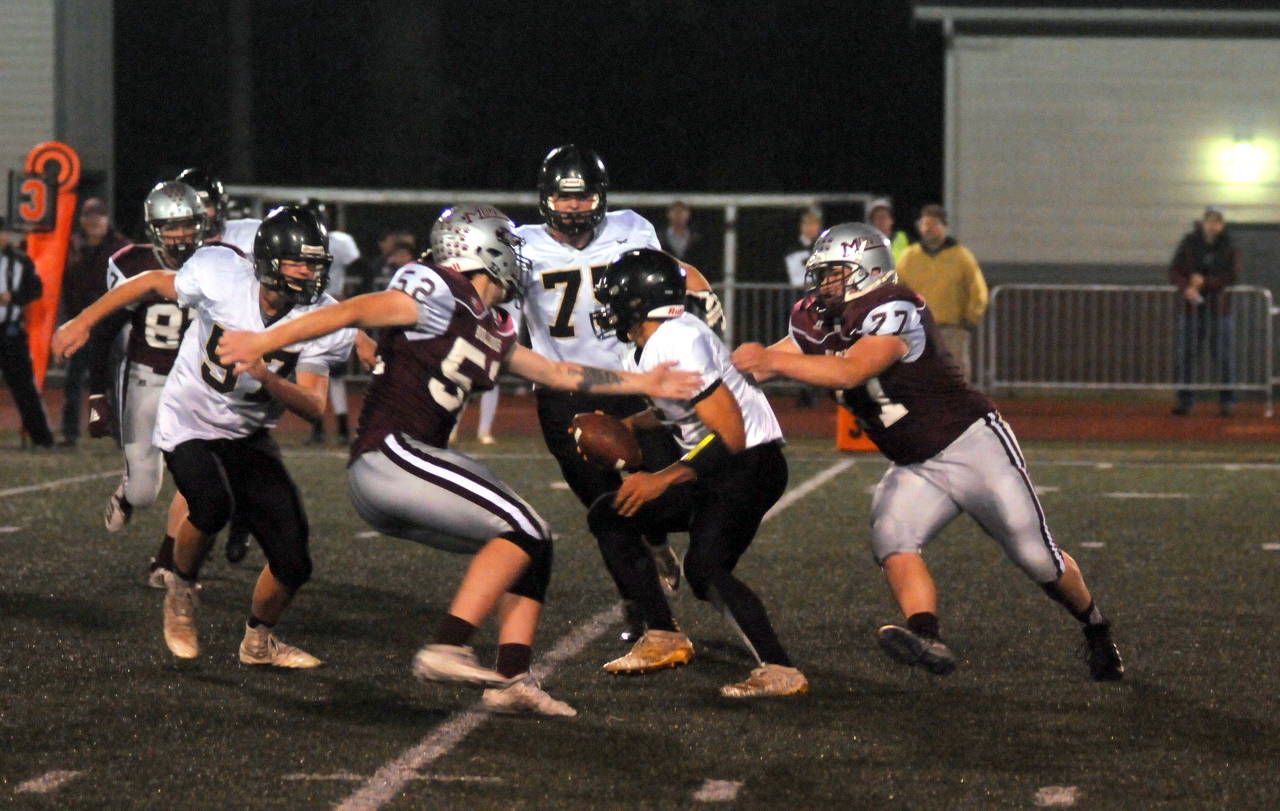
(707, 456)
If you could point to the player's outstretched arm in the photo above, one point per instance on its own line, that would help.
(664, 381)
(306, 398)
(749, 357)
(75, 333)
(388, 308)
(868, 357)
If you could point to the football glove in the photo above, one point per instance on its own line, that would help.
(706, 305)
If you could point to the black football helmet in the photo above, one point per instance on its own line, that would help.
(571, 169)
(638, 285)
(293, 233)
(318, 208)
(211, 193)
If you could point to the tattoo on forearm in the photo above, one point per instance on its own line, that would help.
(593, 377)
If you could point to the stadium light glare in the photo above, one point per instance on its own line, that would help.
(1246, 161)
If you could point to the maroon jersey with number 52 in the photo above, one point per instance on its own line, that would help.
(917, 406)
(158, 323)
(425, 372)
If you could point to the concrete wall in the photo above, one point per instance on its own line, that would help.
(27, 78)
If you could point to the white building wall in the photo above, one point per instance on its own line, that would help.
(27, 79)
(1102, 150)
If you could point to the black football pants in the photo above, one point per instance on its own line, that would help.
(722, 514)
(246, 474)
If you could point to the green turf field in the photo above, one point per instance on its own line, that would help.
(1179, 544)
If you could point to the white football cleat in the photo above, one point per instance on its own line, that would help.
(655, 650)
(118, 511)
(180, 617)
(524, 696)
(487, 439)
(261, 647)
(155, 575)
(455, 664)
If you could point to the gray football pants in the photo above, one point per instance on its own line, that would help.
(437, 497)
(139, 395)
(981, 473)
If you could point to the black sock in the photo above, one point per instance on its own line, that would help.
(453, 631)
(1091, 615)
(164, 555)
(513, 659)
(342, 424)
(254, 622)
(924, 624)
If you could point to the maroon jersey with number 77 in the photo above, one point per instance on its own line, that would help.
(921, 403)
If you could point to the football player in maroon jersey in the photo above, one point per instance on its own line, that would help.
(446, 339)
(875, 343)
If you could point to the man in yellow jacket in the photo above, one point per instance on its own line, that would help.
(947, 276)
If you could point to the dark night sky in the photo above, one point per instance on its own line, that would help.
(680, 94)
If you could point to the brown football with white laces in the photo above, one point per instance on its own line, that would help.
(605, 441)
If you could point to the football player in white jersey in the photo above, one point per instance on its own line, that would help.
(731, 473)
(214, 421)
(445, 338)
(567, 251)
(240, 234)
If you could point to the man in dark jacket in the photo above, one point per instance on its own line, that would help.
(19, 286)
(85, 279)
(1204, 265)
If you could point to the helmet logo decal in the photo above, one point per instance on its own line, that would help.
(313, 251)
(572, 185)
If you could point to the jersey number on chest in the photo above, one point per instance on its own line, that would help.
(222, 379)
(165, 323)
(570, 282)
(450, 389)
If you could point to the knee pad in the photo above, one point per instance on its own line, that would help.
(537, 575)
(292, 570)
(891, 537)
(1040, 562)
(209, 512)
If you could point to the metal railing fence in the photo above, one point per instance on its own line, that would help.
(1126, 337)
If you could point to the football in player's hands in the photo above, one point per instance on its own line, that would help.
(605, 441)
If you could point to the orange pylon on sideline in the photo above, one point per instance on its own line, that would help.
(849, 437)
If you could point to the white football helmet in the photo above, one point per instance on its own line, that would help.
(168, 204)
(480, 238)
(861, 251)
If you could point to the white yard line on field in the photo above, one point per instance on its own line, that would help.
(1165, 496)
(389, 780)
(31, 488)
(46, 783)
(1057, 796)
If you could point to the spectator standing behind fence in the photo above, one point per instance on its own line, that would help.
(683, 241)
(947, 276)
(19, 286)
(85, 279)
(880, 217)
(810, 227)
(1205, 263)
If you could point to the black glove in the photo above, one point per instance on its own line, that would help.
(102, 417)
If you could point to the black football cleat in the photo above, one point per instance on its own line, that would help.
(909, 648)
(237, 544)
(632, 623)
(1101, 654)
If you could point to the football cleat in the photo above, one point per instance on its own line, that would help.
(912, 649)
(118, 511)
(180, 617)
(487, 439)
(454, 664)
(237, 543)
(1101, 654)
(524, 696)
(668, 563)
(654, 651)
(261, 647)
(768, 681)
